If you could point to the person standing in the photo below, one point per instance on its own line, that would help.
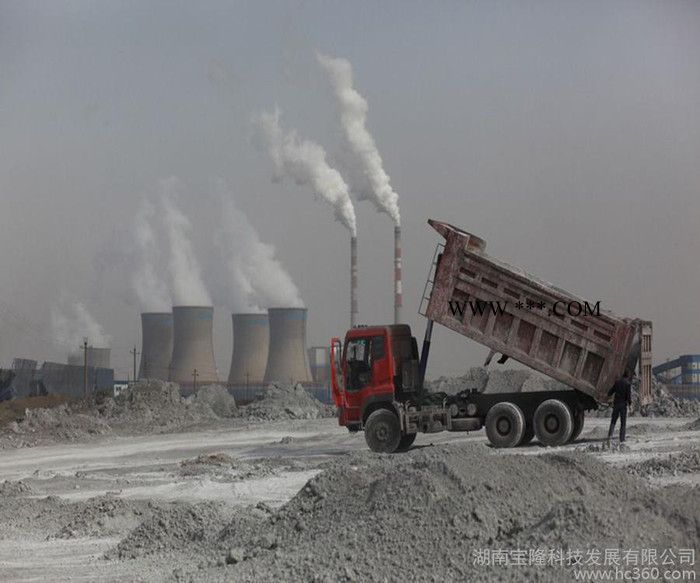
(621, 392)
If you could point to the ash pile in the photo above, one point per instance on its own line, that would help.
(286, 401)
(427, 514)
(146, 407)
(154, 406)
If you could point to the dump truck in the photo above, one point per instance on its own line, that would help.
(378, 374)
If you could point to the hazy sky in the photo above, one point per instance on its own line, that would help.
(566, 134)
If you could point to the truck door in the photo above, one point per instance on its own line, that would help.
(368, 373)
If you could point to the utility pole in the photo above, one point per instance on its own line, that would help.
(195, 374)
(85, 367)
(133, 351)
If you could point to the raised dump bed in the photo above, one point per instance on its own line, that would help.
(530, 320)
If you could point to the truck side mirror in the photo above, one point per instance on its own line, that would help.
(410, 375)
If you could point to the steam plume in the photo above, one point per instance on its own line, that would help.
(353, 116)
(257, 279)
(187, 284)
(71, 323)
(150, 289)
(305, 162)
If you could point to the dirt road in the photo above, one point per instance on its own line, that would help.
(55, 539)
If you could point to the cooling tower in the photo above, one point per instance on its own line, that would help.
(193, 345)
(398, 296)
(250, 344)
(156, 345)
(353, 281)
(96, 357)
(287, 360)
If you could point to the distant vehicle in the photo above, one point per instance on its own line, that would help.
(377, 373)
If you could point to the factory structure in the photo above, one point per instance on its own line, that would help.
(56, 378)
(96, 357)
(268, 347)
(681, 376)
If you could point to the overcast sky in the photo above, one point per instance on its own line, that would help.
(566, 134)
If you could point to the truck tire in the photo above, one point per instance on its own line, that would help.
(505, 425)
(553, 422)
(407, 440)
(383, 431)
(578, 417)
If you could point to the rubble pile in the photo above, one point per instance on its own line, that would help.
(286, 402)
(160, 404)
(176, 526)
(145, 407)
(431, 505)
(685, 462)
(494, 380)
(664, 404)
(102, 516)
(61, 423)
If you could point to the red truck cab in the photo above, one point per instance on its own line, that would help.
(368, 370)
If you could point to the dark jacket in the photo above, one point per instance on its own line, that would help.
(622, 390)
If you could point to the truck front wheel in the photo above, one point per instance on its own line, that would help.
(505, 425)
(383, 431)
(553, 422)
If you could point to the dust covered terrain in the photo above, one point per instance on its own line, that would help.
(277, 491)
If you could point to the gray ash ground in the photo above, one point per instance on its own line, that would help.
(182, 490)
(157, 407)
(422, 515)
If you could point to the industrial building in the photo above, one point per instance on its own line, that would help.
(681, 376)
(96, 357)
(156, 345)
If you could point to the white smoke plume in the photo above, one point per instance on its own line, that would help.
(353, 116)
(257, 279)
(187, 285)
(305, 162)
(147, 283)
(71, 322)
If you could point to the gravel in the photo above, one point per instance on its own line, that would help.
(156, 407)
(286, 402)
(685, 462)
(422, 515)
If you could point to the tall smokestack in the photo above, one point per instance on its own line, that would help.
(250, 348)
(156, 345)
(353, 281)
(398, 295)
(193, 345)
(287, 360)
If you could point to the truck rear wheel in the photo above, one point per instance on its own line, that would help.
(505, 425)
(407, 440)
(553, 422)
(383, 431)
(578, 416)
